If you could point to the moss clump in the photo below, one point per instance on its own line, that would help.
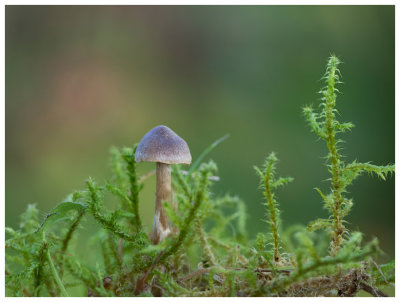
(208, 252)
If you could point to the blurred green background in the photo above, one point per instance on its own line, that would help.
(80, 79)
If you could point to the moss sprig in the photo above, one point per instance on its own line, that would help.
(268, 183)
(134, 187)
(327, 127)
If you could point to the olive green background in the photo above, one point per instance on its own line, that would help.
(80, 79)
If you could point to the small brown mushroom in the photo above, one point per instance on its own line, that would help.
(165, 147)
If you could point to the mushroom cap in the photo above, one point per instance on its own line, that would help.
(163, 145)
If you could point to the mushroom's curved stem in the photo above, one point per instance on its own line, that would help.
(163, 193)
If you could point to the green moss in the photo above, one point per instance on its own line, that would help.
(209, 252)
(328, 128)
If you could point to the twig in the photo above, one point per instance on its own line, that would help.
(208, 269)
(373, 291)
(380, 271)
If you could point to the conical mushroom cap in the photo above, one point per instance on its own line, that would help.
(163, 145)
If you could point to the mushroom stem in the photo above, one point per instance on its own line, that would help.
(163, 193)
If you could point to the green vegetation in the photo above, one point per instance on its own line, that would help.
(268, 183)
(325, 125)
(209, 252)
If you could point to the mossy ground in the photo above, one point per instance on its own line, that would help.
(209, 252)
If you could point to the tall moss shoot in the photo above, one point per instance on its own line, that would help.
(268, 182)
(327, 127)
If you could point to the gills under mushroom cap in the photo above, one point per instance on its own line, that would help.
(163, 145)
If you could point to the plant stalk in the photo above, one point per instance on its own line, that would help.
(55, 274)
(334, 158)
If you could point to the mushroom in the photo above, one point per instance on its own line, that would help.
(165, 147)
